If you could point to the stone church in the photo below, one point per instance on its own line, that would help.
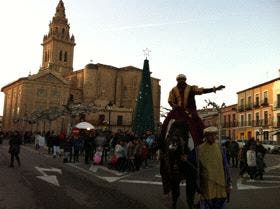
(115, 89)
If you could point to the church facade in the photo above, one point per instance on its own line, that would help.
(115, 89)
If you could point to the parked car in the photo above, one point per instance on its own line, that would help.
(272, 146)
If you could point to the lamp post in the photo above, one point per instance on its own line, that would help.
(109, 108)
(68, 105)
(261, 133)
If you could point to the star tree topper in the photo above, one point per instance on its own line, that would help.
(147, 52)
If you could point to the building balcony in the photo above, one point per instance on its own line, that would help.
(264, 122)
(256, 123)
(241, 109)
(256, 105)
(231, 124)
(276, 105)
(265, 102)
(249, 123)
(276, 124)
(249, 107)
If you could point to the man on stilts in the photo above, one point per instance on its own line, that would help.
(182, 100)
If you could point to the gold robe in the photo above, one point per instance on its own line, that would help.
(212, 176)
(175, 98)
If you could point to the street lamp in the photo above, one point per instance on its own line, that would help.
(109, 108)
(261, 133)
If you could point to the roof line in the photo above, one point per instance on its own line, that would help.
(275, 79)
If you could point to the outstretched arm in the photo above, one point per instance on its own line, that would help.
(214, 89)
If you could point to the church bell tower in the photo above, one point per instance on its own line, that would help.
(58, 46)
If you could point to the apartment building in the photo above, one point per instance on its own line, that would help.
(258, 111)
(229, 121)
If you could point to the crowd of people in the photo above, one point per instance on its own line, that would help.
(122, 150)
(249, 157)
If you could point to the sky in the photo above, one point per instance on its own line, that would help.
(231, 42)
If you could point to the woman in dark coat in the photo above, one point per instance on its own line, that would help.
(14, 149)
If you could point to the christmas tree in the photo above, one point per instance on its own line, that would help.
(143, 118)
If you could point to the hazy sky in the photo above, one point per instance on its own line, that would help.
(230, 42)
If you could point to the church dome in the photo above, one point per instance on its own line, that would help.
(91, 66)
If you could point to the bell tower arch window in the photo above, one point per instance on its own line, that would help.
(60, 56)
(125, 92)
(65, 56)
(46, 56)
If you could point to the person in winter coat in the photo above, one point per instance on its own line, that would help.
(145, 153)
(130, 156)
(252, 162)
(138, 154)
(121, 155)
(56, 146)
(242, 161)
(87, 148)
(68, 147)
(261, 151)
(77, 143)
(14, 149)
(260, 166)
(234, 150)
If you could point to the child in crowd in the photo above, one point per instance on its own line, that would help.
(97, 156)
(145, 154)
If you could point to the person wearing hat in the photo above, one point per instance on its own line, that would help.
(182, 100)
(179, 95)
(214, 177)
